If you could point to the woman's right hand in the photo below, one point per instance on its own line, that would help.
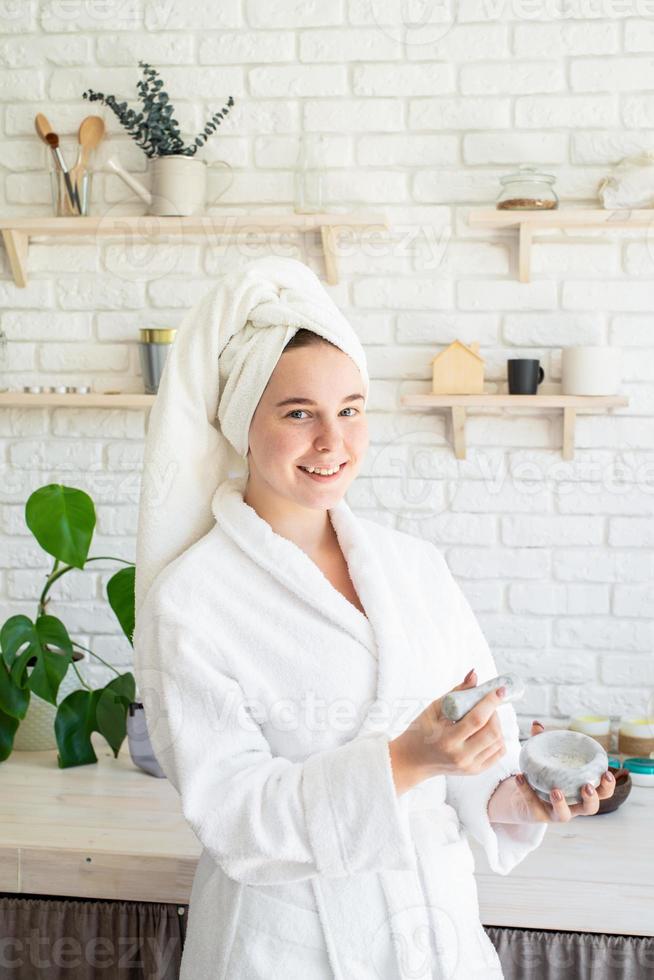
(432, 745)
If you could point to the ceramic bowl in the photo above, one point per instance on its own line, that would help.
(562, 759)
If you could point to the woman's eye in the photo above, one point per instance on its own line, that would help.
(295, 411)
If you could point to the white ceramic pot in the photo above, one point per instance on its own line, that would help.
(178, 184)
(591, 370)
(36, 731)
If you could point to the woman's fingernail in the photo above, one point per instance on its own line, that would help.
(468, 675)
(501, 691)
(557, 795)
(608, 776)
(540, 725)
(520, 779)
(589, 790)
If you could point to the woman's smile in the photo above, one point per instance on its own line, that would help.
(321, 477)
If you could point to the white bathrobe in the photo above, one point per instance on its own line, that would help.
(270, 700)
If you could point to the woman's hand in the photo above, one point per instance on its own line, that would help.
(514, 801)
(433, 745)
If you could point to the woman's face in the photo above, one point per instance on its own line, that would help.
(310, 414)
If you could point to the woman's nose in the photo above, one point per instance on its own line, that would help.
(328, 436)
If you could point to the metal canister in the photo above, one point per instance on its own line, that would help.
(154, 345)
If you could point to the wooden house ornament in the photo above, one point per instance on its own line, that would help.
(458, 370)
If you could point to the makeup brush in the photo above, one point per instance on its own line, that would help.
(52, 139)
(43, 129)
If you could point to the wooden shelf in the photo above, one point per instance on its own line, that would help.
(530, 222)
(457, 404)
(571, 405)
(26, 399)
(17, 232)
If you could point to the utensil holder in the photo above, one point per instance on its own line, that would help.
(62, 205)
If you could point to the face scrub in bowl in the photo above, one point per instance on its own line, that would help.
(562, 759)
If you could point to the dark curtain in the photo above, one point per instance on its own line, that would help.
(46, 938)
(539, 954)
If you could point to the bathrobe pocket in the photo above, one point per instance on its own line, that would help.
(276, 939)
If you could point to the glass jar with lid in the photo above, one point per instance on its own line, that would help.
(527, 189)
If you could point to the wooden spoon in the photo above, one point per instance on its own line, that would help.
(42, 126)
(90, 134)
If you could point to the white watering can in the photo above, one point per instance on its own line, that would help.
(179, 184)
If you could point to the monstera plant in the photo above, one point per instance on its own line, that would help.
(62, 519)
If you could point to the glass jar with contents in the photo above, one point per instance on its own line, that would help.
(526, 189)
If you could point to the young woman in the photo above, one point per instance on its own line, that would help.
(292, 662)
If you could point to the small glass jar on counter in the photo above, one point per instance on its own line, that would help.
(527, 189)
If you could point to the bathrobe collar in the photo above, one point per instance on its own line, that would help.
(381, 631)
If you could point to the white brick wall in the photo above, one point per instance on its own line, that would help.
(420, 119)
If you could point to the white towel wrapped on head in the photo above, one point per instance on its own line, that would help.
(225, 351)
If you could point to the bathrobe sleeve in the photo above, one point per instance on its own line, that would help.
(263, 818)
(505, 844)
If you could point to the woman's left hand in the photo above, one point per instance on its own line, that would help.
(558, 811)
(515, 796)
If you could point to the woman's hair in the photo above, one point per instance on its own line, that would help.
(306, 338)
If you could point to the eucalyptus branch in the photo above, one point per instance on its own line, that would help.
(155, 129)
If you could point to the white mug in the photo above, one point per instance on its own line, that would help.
(591, 370)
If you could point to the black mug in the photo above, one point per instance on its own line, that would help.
(525, 374)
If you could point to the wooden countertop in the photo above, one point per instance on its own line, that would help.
(593, 874)
(112, 831)
(106, 830)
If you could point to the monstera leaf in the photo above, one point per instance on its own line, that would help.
(112, 707)
(84, 712)
(120, 592)
(13, 706)
(14, 699)
(62, 519)
(21, 639)
(22, 642)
